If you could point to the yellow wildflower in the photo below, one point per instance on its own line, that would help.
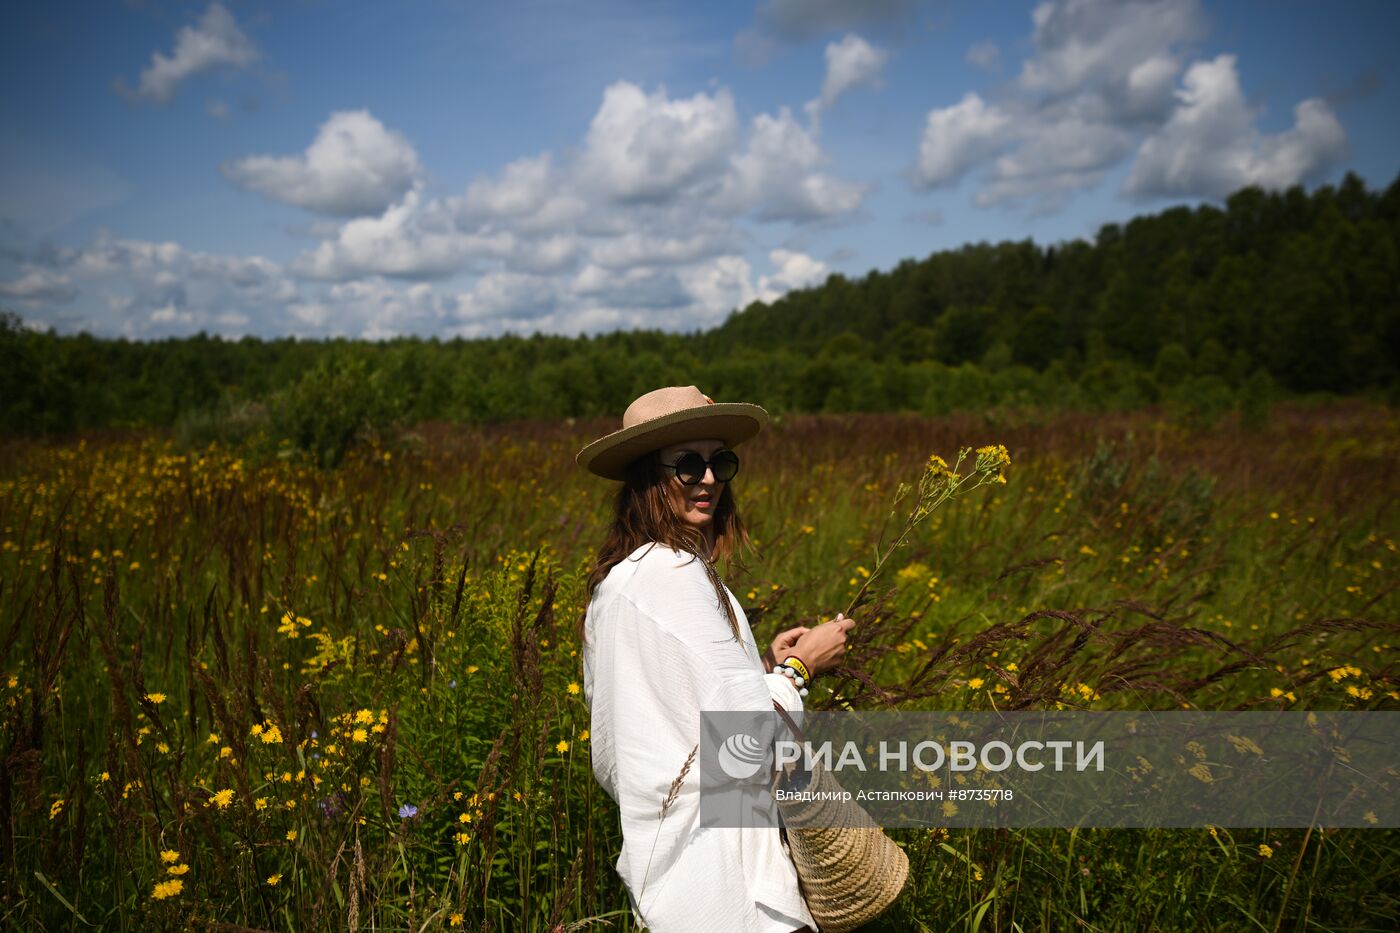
(1265, 850)
(167, 889)
(156, 698)
(170, 855)
(359, 735)
(291, 835)
(574, 688)
(222, 798)
(562, 747)
(177, 869)
(56, 808)
(273, 879)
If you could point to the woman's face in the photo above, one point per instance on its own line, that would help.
(695, 504)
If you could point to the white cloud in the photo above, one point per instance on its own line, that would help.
(39, 284)
(1100, 83)
(851, 63)
(634, 250)
(414, 238)
(1059, 157)
(777, 176)
(374, 309)
(659, 182)
(215, 41)
(717, 287)
(170, 314)
(794, 270)
(1117, 50)
(149, 288)
(649, 147)
(354, 166)
(1211, 145)
(957, 138)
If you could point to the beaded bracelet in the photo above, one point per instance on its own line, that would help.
(791, 673)
(796, 664)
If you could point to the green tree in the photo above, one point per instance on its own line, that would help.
(1038, 339)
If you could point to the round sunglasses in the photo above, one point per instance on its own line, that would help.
(690, 467)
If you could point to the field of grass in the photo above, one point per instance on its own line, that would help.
(263, 695)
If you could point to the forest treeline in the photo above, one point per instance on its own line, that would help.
(1206, 307)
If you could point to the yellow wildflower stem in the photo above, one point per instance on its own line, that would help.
(935, 488)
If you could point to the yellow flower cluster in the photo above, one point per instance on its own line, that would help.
(290, 623)
(994, 457)
(166, 889)
(268, 732)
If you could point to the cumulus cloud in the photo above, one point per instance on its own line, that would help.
(777, 175)
(645, 223)
(413, 238)
(149, 289)
(1211, 145)
(648, 146)
(1060, 157)
(39, 284)
(1101, 73)
(793, 270)
(657, 182)
(851, 63)
(215, 41)
(1121, 52)
(1101, 83)
(957, 138)
(354, 166)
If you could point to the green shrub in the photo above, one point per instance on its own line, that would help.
(338, 403)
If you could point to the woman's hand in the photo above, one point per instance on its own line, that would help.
(822, 648)
(782, 646)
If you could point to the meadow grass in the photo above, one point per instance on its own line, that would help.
(260, 695)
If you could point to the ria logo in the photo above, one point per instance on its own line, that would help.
(741, 756)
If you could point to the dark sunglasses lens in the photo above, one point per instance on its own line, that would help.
(690, 469)
(726, 465)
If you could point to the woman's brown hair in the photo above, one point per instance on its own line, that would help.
(643, 514)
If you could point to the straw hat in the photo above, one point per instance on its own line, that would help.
(665, 417)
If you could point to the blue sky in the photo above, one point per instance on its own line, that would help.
(468, 168)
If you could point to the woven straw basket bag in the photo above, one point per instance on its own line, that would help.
(850, 871)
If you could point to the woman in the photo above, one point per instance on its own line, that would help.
(664, 639)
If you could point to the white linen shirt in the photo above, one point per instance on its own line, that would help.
(657, 651)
